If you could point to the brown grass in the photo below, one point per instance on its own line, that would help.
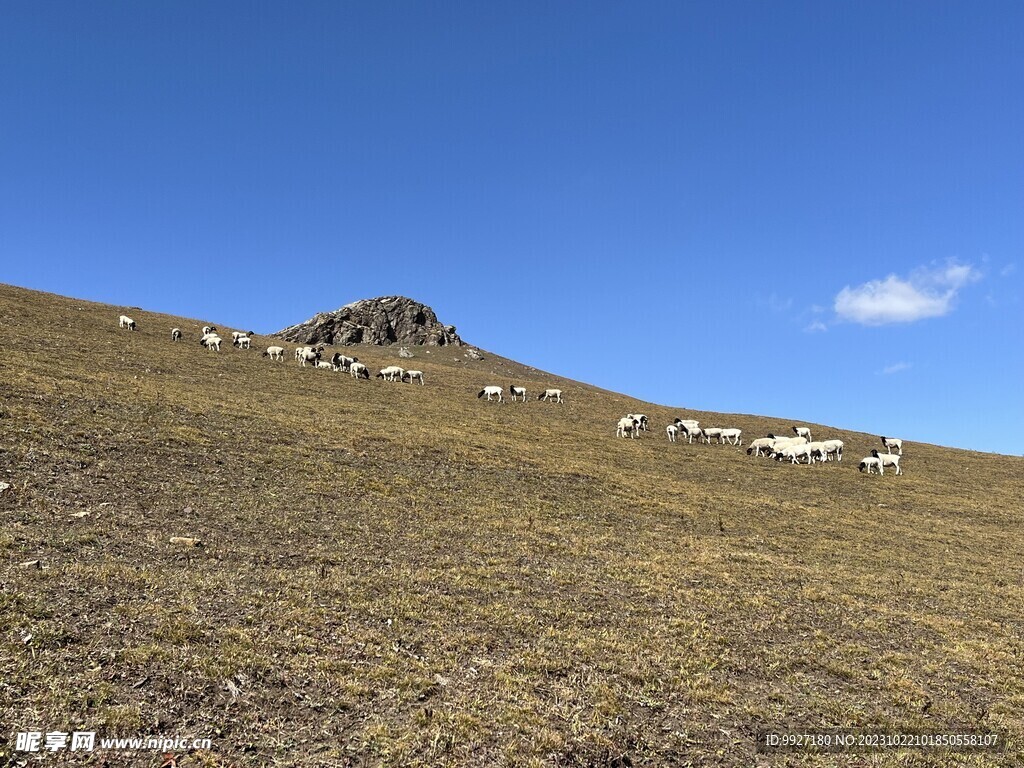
(403, 575)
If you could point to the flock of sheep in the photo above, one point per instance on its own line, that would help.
(797, 449)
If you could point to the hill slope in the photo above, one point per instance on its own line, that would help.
(403, 575)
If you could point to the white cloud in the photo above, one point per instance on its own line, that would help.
(776, 303)
(895, 368)
(816, 327)
(1008, 270)
(927, 292)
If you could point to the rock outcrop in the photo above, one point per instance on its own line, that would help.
(386, 320)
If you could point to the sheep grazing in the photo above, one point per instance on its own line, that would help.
(236, 335)
(817, 450)
(760, 444)
(834, 448)
(517, 392)
(175, 334)
(242, 342)
(308, 355)
(732, 436)
(359, 371)
(712, 432)
(888, 460)
(796, 452)
(672, 431)
(690, 428)
(551, 394)
(413, 376)
(803, 432)
(870, 463)
(274, 353)
(211, 341)
(893, 442)
(391, 373)
(325, 364)
(641, 420)
(341, 362)
(126, 322)
(491, 392)
(627, 427)
(208, 329)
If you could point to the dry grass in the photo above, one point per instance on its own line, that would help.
(403, 575)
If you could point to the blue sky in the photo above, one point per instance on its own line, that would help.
(803, 209)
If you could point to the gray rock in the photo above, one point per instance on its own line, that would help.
(384, 321)
(404, 352)
(474, 354)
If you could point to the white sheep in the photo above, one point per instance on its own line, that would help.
(817, 450)
(796, 452)
(672, 430)
(307, 355)
(690, 428)
(803, 432)
(325, 364)
(342, 362)
(517, 392)
(641, 420)
(715, 432)
(236, 335)
(359, 371)
(733, 436)
(242, 342)
(413, 376)
(211, 341)
(175, 334)
(551, 394)
(490, 392)
(126, 322)
(893, 442)
(391, 373)
(834, 448)
(888, 460)
(208, 329)
(760, 444)
(870, 463)
(627, 426)
(274, 353)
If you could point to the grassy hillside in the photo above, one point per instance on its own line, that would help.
(402, 575)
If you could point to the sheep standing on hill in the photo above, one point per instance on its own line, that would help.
(413, 376)
(491, 392)
(242, 342)
(325, 364)
(834, 448)
(517, 392)
(341, 362)
(551, 394)
(274, 353)
(126, 322)
(760, 444)
(391, 373)
(627, 427)
(803, 432)
(712, 432)
(893, 442)
(888, 460)
(870, 463)
(641, 420)
(690, 428)
(308, 355)
(672, 430)
(211, 341)
(359, 371)
(175, 334)
(733, 436)
(208, 329)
